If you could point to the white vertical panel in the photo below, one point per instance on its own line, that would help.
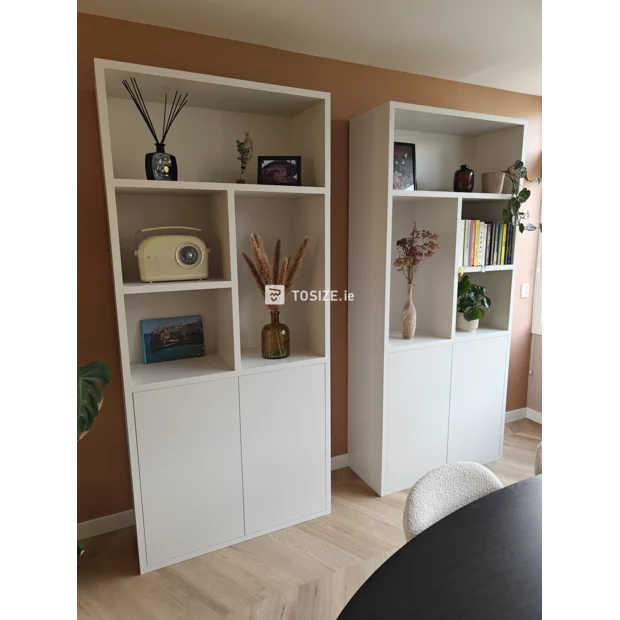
(418, 407)
(190, 467)
(283, 445)
(477, 400)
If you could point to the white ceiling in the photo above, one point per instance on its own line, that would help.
(495, 43)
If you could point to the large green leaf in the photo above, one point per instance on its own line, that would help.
(464, 286)
(90, 381)
(472, 314)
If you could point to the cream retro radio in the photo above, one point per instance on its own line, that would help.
(165, 258)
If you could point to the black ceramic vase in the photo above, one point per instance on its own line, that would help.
(161, 166)
(464, 179)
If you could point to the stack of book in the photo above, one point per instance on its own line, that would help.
(487, 243)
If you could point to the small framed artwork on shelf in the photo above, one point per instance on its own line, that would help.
(165, 340)
(279, 170)
(404, 173)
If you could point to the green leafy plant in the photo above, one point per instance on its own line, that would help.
(245, 149)
(473, 299)
(513, 213)
(91, 379)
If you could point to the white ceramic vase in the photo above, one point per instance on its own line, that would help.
(408, 317)
(466, 326)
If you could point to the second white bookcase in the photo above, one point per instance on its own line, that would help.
(227, 446)
(417, 404)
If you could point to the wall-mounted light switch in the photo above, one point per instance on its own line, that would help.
(525, 290)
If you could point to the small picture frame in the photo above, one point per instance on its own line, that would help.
(279, 170)
(404, 173)
(176, 338)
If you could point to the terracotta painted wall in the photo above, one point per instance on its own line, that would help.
(103, 464)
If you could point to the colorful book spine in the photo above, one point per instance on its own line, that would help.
(462, 226)
(466, 262)
(487, 254)
(472, 243)
(510, 244)
(498, 242)
(481, 240)
(503, 253)
(477, 253)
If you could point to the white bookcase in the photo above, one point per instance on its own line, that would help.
(417, 404)
(227, 446)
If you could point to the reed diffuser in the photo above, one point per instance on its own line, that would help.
(275, 336)
(160, 166)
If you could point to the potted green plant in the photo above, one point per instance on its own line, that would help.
(91, 379)
(245, 149)
(473, 300)
(513, 213)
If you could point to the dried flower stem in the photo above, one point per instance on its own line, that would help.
(264, 274)
(413, 250)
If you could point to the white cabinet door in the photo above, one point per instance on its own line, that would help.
(418, 406)
(190, 467)
(477, 402)
(283, 425)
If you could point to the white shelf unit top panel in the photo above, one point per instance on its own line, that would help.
(483, 269)
(403, 194)
(179, 372)
(410, 117)
(208, 91)
(480, 333)
(136, 288)
(252, 360)
(164, 188)
(420, 340)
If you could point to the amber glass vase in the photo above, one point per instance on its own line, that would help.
(275, 339)
(464, 179)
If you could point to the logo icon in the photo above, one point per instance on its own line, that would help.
(274, 294)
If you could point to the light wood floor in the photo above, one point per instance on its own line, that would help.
(306, 572)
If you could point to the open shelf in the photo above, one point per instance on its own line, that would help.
(207, 212)
(215, 308)
(217, 113)
(403, 194)
(179, 372)
(433, 289)
(251, 359)
(133, 288)
(192, 188)
(479, 334)
(420, 340)
(483, 269)
(289, 219)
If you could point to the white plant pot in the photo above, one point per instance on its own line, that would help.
(466, 326)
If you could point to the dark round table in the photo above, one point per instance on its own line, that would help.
(483, 561)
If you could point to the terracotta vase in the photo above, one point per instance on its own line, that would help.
(493, 182)
(408, 317)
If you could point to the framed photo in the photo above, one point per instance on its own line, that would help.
(164, 340)
(404, 166)
(279, 170)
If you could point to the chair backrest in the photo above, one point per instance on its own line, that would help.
(538, 460)
(443, 491)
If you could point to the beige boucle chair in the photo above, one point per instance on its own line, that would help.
(443, 491)
(538, 460)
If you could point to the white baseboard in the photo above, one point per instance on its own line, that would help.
(106, 524)
(535, 416)
(340, 461)
(517, 414)
(521, 414)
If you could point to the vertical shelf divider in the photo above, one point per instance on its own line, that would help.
(234, 276)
